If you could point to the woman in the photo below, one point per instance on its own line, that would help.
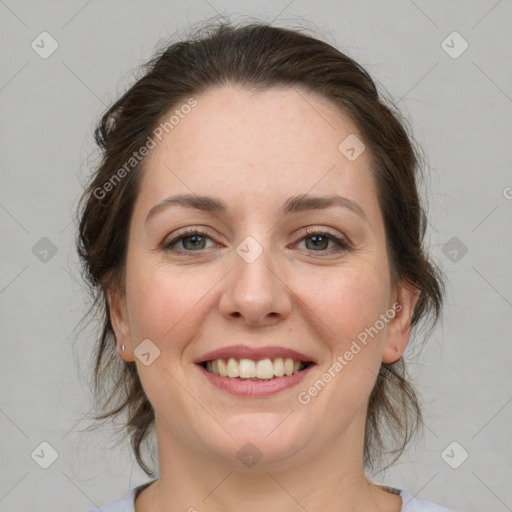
(254, 235)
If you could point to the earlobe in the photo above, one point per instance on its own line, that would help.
(399, 329)
(120, 325)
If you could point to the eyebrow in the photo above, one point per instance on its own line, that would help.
(293, 204)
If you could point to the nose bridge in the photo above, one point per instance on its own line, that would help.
(253, 263)
(254, 291)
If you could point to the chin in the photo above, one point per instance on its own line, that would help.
(260, 441)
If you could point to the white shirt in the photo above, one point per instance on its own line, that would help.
(409, 503)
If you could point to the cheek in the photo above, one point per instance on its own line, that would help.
(349, 321)
(347, 302)
(166, 302)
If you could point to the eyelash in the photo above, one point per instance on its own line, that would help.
(343, 245)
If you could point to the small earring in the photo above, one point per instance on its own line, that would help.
(122, 347)
(397, 349)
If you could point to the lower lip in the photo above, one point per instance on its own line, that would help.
(254, 388)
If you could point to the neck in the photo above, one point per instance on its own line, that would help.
(330, 480)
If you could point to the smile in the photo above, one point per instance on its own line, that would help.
(249, 369)
(254, 371)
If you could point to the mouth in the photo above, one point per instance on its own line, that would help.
(255, 370)
(246, 371)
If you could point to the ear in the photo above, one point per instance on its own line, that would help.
(399, 328)
(119, 320)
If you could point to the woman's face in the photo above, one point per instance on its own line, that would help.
(264, 280)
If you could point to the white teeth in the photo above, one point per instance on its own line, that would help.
(264, 369)
(249, 369)
(223, 371)
(279, 367)
(233, 369)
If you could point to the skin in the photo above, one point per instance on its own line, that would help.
(315, 300)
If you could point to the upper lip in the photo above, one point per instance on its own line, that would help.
(254, 353)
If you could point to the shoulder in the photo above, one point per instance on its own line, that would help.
(411, 504)
(126, 504)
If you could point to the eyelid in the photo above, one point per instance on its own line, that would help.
(175, 236)
(311, 230)
(343, 241)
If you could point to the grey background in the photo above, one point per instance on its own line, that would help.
(460, 110)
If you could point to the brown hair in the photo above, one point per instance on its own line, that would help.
(258, 56)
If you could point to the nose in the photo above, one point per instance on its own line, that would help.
(255, 293)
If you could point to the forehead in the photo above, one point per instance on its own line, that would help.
(260, 126)
(264, 145)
